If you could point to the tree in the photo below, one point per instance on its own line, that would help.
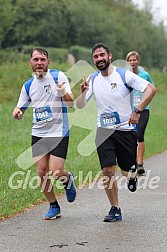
(6, 18)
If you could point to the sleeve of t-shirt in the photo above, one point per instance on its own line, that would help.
(24, 99)
(63, 78)
(136, 82)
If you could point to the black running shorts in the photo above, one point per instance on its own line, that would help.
(56, 146)
(116, 147)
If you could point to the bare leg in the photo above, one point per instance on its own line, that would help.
(140, 152)
(110, 185)
(42, 166)
(56, 167)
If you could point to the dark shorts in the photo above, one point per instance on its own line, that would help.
(56, 146)
(141, 126)
(117, 147)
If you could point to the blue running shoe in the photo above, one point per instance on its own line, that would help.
(70, 189)
(113, 215)
(53, 213)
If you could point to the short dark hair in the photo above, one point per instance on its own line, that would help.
(98, 45)
(40, 50)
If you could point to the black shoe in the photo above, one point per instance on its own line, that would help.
(132, 184)
(113, 215)
(140, 169)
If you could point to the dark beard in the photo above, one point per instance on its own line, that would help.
(106, 65)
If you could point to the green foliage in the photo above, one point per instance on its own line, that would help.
(157, 125)
(11, 56)
(81, 53)
(40, 22)
(11, 80)
(55, 54)
(13, 76)
(65, 23)
(22, 54)
(160, 80)
(6, 18)
(58, 54)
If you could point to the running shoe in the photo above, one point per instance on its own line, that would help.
(53, 213)
(140, 169)
(132, 184)
(70, 189)
(113, 215)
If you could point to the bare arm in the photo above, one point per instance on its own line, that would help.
(18, 113)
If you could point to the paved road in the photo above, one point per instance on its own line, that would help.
(143, 228)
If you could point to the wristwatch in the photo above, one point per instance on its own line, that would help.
(137, 111)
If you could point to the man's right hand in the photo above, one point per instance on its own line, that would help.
(85, 84)
(17, 113)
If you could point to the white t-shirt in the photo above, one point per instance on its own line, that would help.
(49, 112)
(113, 99)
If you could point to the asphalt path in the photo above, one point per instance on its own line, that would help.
(81, 227)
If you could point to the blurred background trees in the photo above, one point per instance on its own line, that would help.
(70, 23)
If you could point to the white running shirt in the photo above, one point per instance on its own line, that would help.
(49, 112)
(113, 99)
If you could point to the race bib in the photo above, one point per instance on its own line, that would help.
(43, 114)
(109, 119)
(136, 101)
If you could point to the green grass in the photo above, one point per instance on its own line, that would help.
(16, 138)
(155, 136)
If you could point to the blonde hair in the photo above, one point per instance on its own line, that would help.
(133, 53)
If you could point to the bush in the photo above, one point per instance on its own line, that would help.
(55, 54)
(81, 53)
(59, 55)
(11, 56)
(22, 53)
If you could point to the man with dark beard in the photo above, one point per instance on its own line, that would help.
(116, 139)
